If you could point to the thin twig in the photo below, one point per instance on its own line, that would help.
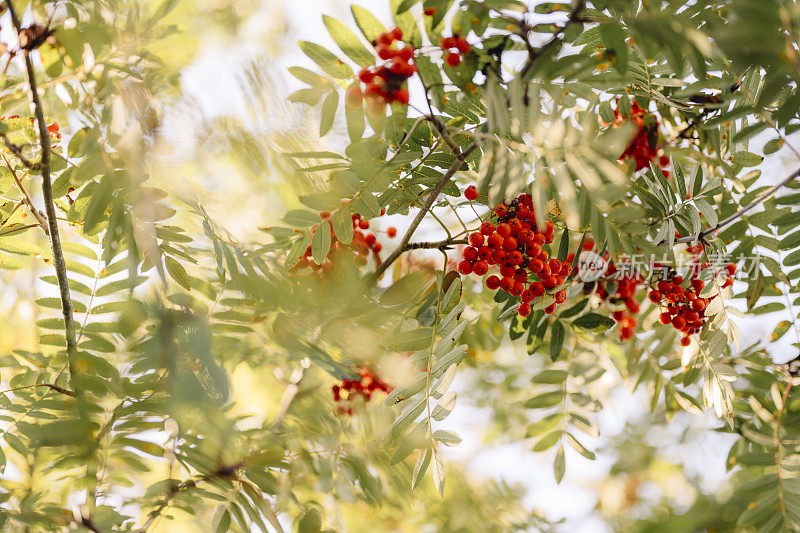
(17, 151)
(47, 190)
(27, 199)
(769, 193)
(535, 54)
(402, 247)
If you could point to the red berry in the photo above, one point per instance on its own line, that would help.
(429, 11)
(366, 75)
(550, 309)
(510, 243)
(698, 305)
(524, 309)
(397, 33)
(476, 239)
(537, 289)
(452, 59)
(507, 270)
(535, 265)
(506, 284)
(731, 268)
(664, 318)
(391, 232)
(353, 97)
(471, 193)
(555, 265)
(501, 210)
(698, 284)
(521, 275)
(663, 161)
(401, 96)
(462, 45)
(493, 282)
(448, 42)
(561, 296)
(495, 240)
(655, 296)
(377, 247)
(470, 254)
(487, 228)
(626, 333)
(480, 268)
(515, 257)
(504, 230)
(527, 295)
(385, 52)
(686, 341)
(465, 267)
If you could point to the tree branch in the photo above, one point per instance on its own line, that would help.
(769, 193)
(47, 190)
(27, 199)
(403, 246)
(535, 54)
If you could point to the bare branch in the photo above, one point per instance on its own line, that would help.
(769, 193)
(403, 246)
(47, 190)
(27, 199)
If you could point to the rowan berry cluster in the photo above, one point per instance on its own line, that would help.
(618, 288)
(682, 307)
(511, 240)
(350, 389)
(385, 84)
(455, 48)
(643, 146)
(362, 244)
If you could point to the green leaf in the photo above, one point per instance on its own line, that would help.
(321, 243)
(545, 400)
(404, 6)
(580, 448)
(594, 322)
(421, 467)
(329, 106)
(746, 159)
(559, 464)
(370, 26)
(343, 225)
(782, 327)
(548, 441)
(347, 42)
(328, 62)
(311, 522)
(177, 272)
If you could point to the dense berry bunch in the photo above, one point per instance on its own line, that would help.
(385, 84)
(511, 240)
(363, 387)
(643, 146)
(362, 245)
(618, 288)
(454, 47)
(679, 299)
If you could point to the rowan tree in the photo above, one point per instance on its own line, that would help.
(526, 207)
